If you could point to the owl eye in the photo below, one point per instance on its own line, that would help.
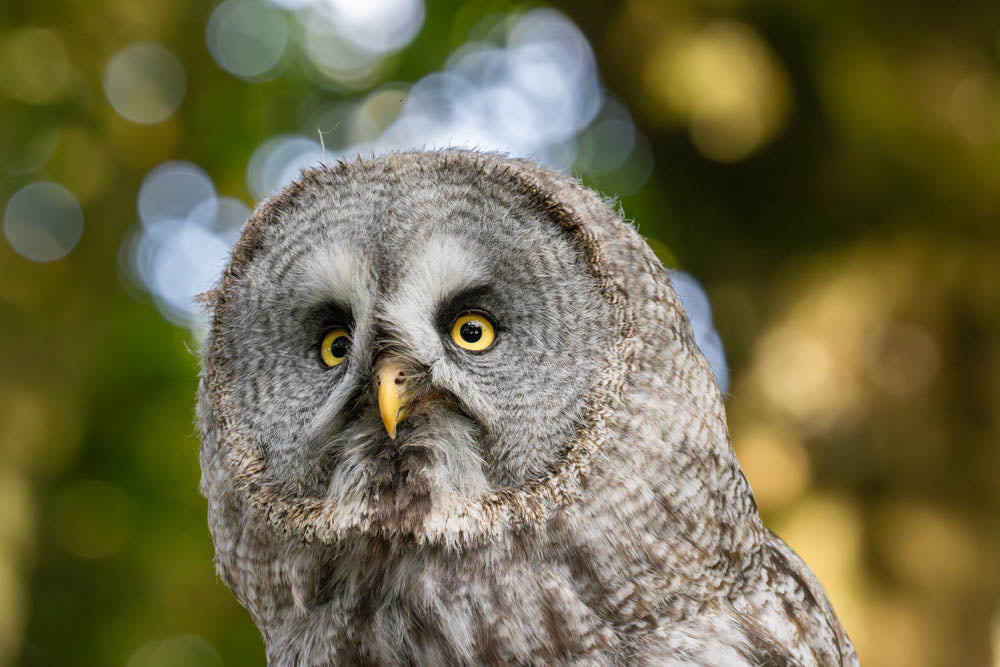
(335, 346)
(472, 331)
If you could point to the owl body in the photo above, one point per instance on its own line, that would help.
(513, 453)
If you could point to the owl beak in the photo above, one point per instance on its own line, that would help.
(391, 399)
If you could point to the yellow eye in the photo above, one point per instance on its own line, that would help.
(336, 343)
(473, 332)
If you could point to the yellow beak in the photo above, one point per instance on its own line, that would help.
(391, 399)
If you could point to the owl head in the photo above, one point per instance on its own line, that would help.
(449, 350)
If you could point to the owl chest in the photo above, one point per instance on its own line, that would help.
(440, 611)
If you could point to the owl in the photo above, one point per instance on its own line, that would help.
(452, 413)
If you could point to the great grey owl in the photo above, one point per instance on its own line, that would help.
(453, 413)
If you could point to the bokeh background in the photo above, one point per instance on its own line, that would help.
(825, 174)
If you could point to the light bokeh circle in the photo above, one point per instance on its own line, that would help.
(43, 221)
(173, 190)
(247, 38)
(145, 83)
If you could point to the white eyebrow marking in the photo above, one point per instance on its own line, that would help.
(442, 267)
(335, 272)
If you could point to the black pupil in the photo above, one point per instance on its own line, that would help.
(471, 331)
(338, 348)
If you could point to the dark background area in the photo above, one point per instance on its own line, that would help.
(829, 172)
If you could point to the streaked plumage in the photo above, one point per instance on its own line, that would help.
(567, 496)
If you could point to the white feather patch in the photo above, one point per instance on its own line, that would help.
(338, 273)
(436, 271)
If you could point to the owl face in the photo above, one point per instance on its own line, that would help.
(407, 337)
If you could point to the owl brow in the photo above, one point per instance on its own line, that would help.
(474, 297)
(330, 313)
